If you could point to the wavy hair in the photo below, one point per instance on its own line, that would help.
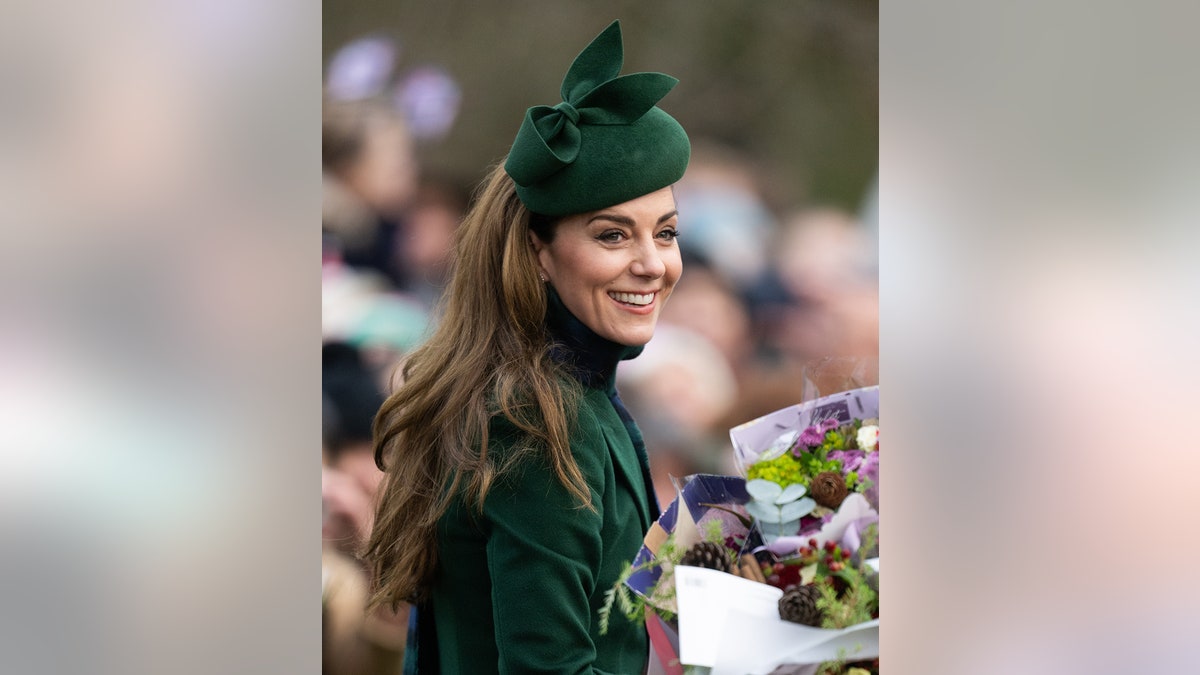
(488, 356)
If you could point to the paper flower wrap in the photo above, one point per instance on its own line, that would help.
(731, 624)
(686, 518)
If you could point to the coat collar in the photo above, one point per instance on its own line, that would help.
(591, 359)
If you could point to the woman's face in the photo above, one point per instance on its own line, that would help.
(615, 268)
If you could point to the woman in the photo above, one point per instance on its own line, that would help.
(517, 485)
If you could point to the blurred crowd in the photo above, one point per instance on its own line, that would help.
(772, 309)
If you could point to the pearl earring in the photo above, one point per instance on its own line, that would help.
(542, 277)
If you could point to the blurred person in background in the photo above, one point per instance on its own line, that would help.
(426, 250)
(729, 224)
(349, 477)
(387, 240)
(815, 312)
(798, 316)
(517, 484)
(824, 261)
(355, 640)
(364, 311)
(369, 180)
(706, 303)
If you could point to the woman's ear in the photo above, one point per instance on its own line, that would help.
(536, 242)
(539, 247)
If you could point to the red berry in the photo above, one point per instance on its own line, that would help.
(805, 551)
(846, 555)
(812, 542)
(829, 545)
(829, 561)
(779, 567)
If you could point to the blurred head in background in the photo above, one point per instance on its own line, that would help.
(728, 222)
(425, 250)
(369, 180)
(824, 263)
(706, 303)
(366, 146)
(350, 479)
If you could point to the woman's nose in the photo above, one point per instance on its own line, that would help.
(648, 261)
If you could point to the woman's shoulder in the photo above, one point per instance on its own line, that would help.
(588, 427)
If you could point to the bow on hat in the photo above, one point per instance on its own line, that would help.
(549, 139)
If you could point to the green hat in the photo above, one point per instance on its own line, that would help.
(605, 144)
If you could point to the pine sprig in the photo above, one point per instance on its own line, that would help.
(605, 610)
(663, 594)
(855, 605)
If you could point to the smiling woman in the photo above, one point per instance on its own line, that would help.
(517, 483)
(614, 269)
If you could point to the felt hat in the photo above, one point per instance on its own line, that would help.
(605, 144)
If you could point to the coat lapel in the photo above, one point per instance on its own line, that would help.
(624, 458)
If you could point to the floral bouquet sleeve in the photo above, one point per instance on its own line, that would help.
(742, 574)
(812, 463)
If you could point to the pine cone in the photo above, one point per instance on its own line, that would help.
(828, 489)
(707, 554)
(799, 605)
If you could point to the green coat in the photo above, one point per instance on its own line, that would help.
(518, 587)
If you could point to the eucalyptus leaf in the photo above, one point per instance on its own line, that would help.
(789, 527)
(791, 493)
(765, 512)
(763, 490)
(794, 510)
(776, 530)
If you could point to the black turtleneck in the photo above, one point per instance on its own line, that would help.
(592, 360)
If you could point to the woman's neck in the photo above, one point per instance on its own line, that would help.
(590, 358)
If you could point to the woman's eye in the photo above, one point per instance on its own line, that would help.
(612, 236)
(669, 234)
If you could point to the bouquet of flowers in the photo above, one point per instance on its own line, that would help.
(807, 463)
(741, 575)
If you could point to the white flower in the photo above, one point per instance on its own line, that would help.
(868, 437)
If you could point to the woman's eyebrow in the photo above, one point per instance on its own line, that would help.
(625, 220)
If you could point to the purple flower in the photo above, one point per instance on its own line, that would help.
(812, 437)
(851, 460)
(810, 524)
(829, 423)
(869, 471)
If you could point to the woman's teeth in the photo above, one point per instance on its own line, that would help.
(633, 298)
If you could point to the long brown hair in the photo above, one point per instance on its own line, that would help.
(488, 356)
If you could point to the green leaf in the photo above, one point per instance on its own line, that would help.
(791, 493)
(767, 513)
(763, 490)
(789, 527)
(795, 510)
